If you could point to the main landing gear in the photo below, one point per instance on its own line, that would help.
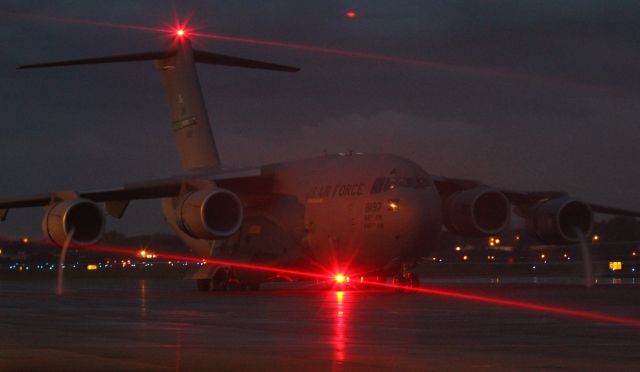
(225, 280)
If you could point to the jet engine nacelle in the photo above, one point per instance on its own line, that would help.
(209, 214)
(477, 212)
(81, 216)
(554, 221)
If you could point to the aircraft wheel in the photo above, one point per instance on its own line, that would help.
(414, 280)
(251, 286)
(219, 285)
(233, 285)
(399, 281)
(204, 285)
(221, 280)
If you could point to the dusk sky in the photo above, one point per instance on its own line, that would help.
(526, 95)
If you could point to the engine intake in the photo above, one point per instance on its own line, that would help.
(477, 212)
(84, 217)
(209, 214)
(555, 221)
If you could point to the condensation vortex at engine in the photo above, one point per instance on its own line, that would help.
(85, 220)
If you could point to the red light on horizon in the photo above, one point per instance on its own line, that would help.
(351, 14)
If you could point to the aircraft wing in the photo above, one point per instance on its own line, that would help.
(153, 189)
(447, 186)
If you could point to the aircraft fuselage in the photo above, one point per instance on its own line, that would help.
(364, 211)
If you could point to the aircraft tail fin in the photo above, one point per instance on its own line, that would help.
(190, 121)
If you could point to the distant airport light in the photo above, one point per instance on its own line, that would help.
(497, 241)
(615, 265)
(465, 258)
(596, 238)
(393, 206)
(92, 267)
(517, 236)
(458, 249)
(543, 256)
(633, 253)
(25, 240)
(351, 14)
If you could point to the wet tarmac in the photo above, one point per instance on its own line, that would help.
(168, 325)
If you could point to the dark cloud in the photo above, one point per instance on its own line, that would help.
(533, 95)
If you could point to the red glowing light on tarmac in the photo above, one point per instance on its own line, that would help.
(431, 291)
(340, 338)
(340, 278)
(351, 14)
(180, 32)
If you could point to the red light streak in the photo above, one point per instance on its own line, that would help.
(431, 291)
(435, 65)
(88, 22)
(442, 66)
(209, 261)
(517, 304)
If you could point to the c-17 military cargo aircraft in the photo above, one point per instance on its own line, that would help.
(373, 214)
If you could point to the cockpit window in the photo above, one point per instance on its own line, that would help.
(386, 184)
(378, 185)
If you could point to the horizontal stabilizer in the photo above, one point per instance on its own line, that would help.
(112, 59)
(224, 60)
(199, 56)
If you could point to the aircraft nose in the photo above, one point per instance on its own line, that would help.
(418, 219)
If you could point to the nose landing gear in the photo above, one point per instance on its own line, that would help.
(406, 278)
